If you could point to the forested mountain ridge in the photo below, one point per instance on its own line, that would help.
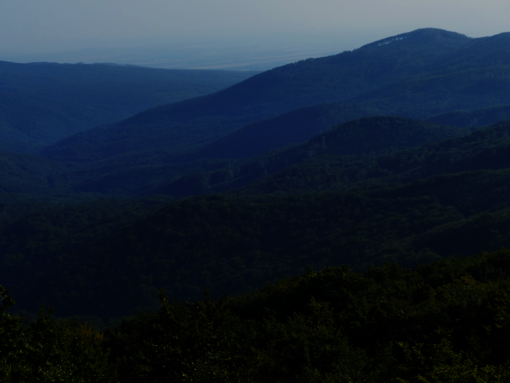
(337, 78)
(491, 54)
(372, 190)
(41, 103)
(30, 175)
(290, 128)
(485, 148)
(409, 205)
(232, 245)
(416, 75)
(472, 77)
(362, 137)
(28, 123)
(473, 118)
(369, 135)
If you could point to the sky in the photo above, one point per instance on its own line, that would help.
(52, 27)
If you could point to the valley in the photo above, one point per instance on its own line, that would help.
(337, 125)
(334, 198)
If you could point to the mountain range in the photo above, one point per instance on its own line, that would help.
(419, 75)
(42, 103)
(396, 151)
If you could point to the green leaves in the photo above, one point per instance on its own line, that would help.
(448, 322)
(182, 343)
(440, 363)
(49, 350)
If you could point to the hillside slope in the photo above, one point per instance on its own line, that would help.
(233, 245)
(41, 103)
(27, 174)
(344, 143)
(409, 205)
(484, 148)
(467, 118)
(339, 78)
(290, 128)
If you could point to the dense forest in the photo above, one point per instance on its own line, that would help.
(430, 74)
(347, 218)
(443, 322)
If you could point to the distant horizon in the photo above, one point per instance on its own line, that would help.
(259, 52)
(256, 53)
(30, 26)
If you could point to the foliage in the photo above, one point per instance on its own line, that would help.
(49, 350)
(109, 258)
(446, 322)
(366, 192)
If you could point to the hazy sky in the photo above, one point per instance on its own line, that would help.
(35, 26)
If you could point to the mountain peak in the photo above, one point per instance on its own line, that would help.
(423, 36)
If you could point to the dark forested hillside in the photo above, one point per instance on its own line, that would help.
(257, 182)
(155, 172)
(485, 148)
(337, 78)
(343, 144)
(28, 123)
(234, 244)
(446, 322)
(389, 200)
(290, 128)
(467, 118)
(419, 74)
(41, 103)
(21, 173)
